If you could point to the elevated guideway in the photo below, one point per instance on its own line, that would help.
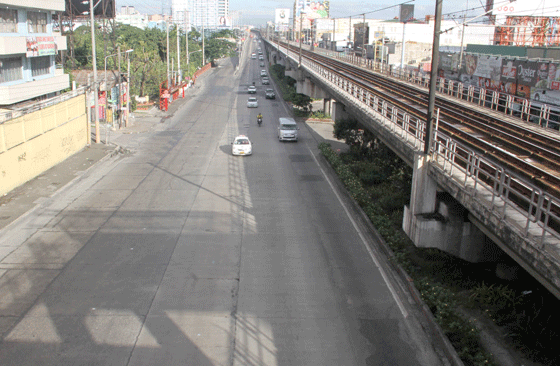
(470, 186)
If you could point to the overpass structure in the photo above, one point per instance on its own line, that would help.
(461, 196)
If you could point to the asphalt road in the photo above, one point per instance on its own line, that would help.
(179, 253)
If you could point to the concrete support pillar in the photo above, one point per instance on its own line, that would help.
(423, 196)
(327, 102)
(436, 220)
(338, 111)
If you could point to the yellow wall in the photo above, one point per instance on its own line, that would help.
(35, 142)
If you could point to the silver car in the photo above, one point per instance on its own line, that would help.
(252, 103)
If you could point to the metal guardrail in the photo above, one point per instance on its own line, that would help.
(506, 188)
(8, 115)
(535, 205)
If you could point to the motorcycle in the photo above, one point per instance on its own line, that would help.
(259, 121)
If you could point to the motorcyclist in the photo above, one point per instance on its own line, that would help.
(259, 118)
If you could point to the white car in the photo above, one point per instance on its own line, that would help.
(252, 89)
(241, 146)
(252, 103)
(263, 73)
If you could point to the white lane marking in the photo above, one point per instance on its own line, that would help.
(362, 237)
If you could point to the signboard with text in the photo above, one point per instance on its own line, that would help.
(40, 46)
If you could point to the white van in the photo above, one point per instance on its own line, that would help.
(287, 129)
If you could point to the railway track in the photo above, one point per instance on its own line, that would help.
(531, 155)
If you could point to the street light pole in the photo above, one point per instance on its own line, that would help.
(95, 86)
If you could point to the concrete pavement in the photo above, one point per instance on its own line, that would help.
(24, 198)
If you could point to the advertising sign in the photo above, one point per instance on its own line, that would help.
(488, 67)
(542, 74)
(308, 11)
(40, 46)
(522, 7)
(282, 16)
(526, 72)
(509, 72)
(406, 13)
(281, 19)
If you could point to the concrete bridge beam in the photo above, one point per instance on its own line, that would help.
(308, 87)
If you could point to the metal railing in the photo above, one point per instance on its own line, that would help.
(8, 115)
(507, 190)
(537, 112)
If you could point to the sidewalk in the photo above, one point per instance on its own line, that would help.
(20, 200)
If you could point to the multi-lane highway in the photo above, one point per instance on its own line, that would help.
(179, 253)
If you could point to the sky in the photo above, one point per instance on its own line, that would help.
(259, 15)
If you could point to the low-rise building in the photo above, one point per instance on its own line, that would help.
(28, 47)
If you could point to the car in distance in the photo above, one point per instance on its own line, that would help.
(269, 94)
(252, 89)
(262, 64)
(265, 81)
(253, 56)
(252, 102)
(241, 146)
(261, 57)
(263, 73)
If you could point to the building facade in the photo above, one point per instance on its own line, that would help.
(129, 15)
(210, 14)
(28, 47)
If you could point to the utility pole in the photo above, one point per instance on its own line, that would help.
(350, 31)
(128, 91)
(403, 43)
(178, 54)
(364, 37)
(433, 79)
(95, 85)
(300, 42)
(168, 76)
(187, 40)
(333, 44)
(119, 104)
(203, 58)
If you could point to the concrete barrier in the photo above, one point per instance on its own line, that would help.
(37, 141)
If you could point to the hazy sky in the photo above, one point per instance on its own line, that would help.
(252, 14)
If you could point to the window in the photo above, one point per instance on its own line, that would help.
(36, 22)
(8, 21)
(10, 69)
(40, 65)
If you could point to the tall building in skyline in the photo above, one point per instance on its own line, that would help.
(198, 13)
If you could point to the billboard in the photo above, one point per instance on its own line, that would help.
(524, 7)
(309, 10)
(282, 16)
(80, 8)
(406, 13)
(40, 46)
(281, 20)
